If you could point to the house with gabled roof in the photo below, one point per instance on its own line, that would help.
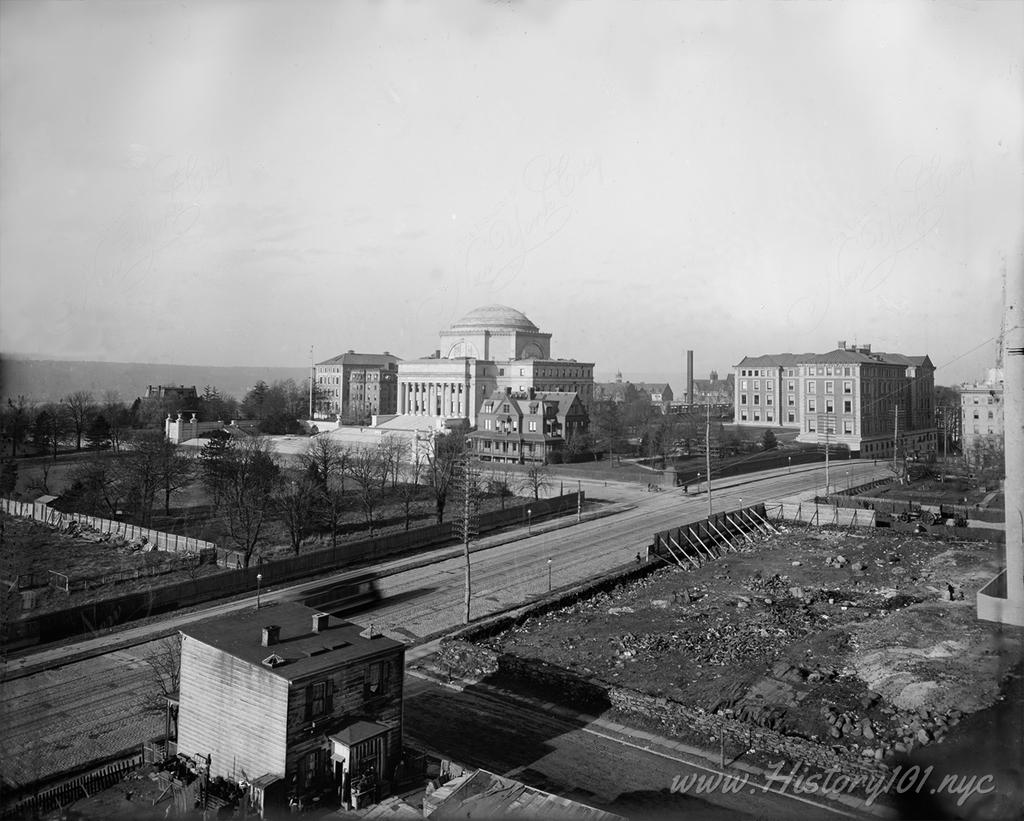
(527, 428)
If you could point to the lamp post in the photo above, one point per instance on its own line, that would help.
(529, 521)
(549, 575)
(259, 582)
(789, 460)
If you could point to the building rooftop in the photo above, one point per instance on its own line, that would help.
(839, 355)
(494, 316)
(300, 650)
(486, 795)
(357, 359)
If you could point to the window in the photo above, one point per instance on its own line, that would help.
(847, 387)
(830, 386)
(811, 406)
(769, 401)
(769, 386)
(501, 371)
(743, 384)
(830, 406)
(791, 400)
(811, 386)
(743, 399)
(791, 385)
(533, 426)
(757, 384)
(743, 415)
(757, 415)
(318, 698)
(757, 399)
(769, 416)
(790, 416)
(378, 679)
(810, 426)
(847, 406)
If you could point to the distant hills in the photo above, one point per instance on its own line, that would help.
(45, 380)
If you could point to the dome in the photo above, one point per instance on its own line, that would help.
(494, 316)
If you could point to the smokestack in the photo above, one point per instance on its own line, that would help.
(689, 378)
(271, 635)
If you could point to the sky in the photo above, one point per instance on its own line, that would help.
(237, 183)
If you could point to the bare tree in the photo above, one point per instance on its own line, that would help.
(332, 506)
(246, 478)
(116, 414)
(536, 480)
(365, 468)
(16, 421)
(393, 451)
(501, 483)
(295, 504)
(326, 459)
(80, 407)
(164, 665)
(409, 490)
(443, 454)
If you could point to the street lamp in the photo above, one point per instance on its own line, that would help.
(529, 521)
(259, 581)
(789, 469)
(549, 575)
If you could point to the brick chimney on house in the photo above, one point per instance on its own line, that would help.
(320, 622)
(271, 635)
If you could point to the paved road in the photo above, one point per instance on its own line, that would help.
(583, 760)
(87, 708)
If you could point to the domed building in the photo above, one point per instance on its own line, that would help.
(495, 332)
(492, 348)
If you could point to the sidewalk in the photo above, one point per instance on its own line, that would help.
(48, 657)
(643, 740)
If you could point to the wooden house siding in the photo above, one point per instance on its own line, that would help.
(231, 710)
(347, 699)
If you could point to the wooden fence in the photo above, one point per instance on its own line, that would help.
(170, 542)
(54, 797)
(99, 616)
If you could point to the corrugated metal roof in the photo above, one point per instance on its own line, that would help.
(486, 795)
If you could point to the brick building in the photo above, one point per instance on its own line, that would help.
(868, 401)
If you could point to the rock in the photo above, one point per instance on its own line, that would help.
(879, 754)
(859, 566)
(661, 603)
(900, 747)
(796, 592)
(742, 604)
(841, 561)
(768, 600)
(923, 736)
(797, 564)
(865, 727)
(834, 732)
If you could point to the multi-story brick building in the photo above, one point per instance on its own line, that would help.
(356, 384)
(290, 702)
(981, 413)
(869, 402)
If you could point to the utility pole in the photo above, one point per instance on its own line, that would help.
(826, 455)
(895, 436)
(466, 524)
(312, 376)
(707, 454)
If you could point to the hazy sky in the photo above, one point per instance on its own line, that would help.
(235, 182)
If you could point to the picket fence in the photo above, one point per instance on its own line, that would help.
(170, 542)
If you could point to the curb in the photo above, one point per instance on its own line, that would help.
(444, 554)
(624, 734)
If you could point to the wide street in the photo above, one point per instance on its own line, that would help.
(60, 717)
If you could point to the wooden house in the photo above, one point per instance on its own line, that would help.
(300, 707)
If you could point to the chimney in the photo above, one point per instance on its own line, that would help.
(320, 621)
(437, 353)
(271, 635)
(841, 344)
(508, 391)
(689, 378)
(533, 393)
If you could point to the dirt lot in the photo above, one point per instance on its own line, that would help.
(842, 637)
(112, 565)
